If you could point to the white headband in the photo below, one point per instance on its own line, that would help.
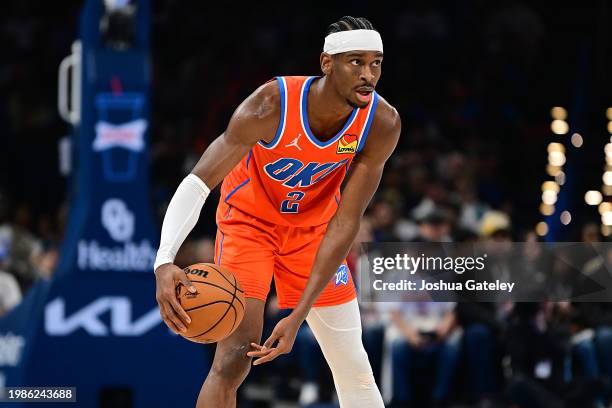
(353, 40)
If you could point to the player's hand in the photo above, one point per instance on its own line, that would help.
(167, 278)
(285, 333)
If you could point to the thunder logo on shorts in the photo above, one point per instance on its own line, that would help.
(295, 179)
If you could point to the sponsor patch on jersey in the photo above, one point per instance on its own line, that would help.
(347, 144)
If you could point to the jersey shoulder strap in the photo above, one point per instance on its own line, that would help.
(290, 89)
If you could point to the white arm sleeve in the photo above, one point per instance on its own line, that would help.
(182, 214)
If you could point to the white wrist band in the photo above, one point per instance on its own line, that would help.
(181, 216)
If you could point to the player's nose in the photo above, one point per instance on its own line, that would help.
(366, 74)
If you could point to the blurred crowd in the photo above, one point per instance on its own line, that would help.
(33, 191)
(24, 258)
(473, 86)
(527, 354)
(468, 354)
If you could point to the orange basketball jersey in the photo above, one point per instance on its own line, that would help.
(295, 179)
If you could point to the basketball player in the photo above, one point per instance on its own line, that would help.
(283, 157)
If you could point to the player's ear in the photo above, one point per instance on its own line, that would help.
(326, 63)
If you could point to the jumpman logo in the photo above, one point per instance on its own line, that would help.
(294, 143)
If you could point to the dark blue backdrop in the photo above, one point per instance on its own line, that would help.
(96, 326)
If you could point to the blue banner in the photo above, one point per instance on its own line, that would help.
(96, 325)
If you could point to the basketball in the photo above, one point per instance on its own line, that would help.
(216, 308)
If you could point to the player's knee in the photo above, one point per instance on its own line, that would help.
(232, 367)
(357, 376)
(356, 381)
(355, 360)
(365, 380)
(354, 366)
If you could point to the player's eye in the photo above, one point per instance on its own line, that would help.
(355, 62)
(377, 63)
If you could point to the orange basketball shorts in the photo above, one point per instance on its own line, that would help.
(256, 251)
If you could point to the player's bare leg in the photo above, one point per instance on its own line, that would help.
(231, 364)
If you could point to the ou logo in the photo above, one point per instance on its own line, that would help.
(117, 219)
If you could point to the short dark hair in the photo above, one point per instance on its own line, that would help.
(348, 23)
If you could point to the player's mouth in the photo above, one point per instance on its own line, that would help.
(364, 94)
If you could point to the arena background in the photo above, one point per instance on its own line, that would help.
(475, 83)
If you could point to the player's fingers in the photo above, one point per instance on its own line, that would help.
(182, 277)
(179, 311)
(273, 337)
(256, 348)
(259, 353)
(168, 322)
(283, 347)
(269, 357)
(173, 317)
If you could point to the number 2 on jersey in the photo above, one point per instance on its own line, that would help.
(291, 205)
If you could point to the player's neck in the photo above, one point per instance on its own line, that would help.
(327, 105)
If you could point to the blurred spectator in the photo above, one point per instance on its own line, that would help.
(10, 294)
(540, 376)
(434, 226)
(426, 345)
(383, 217)
(435, 194)
(495, 224)
(472, 210)
(22, 246)
(481, 347)
(592, 322)
(45, 263)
